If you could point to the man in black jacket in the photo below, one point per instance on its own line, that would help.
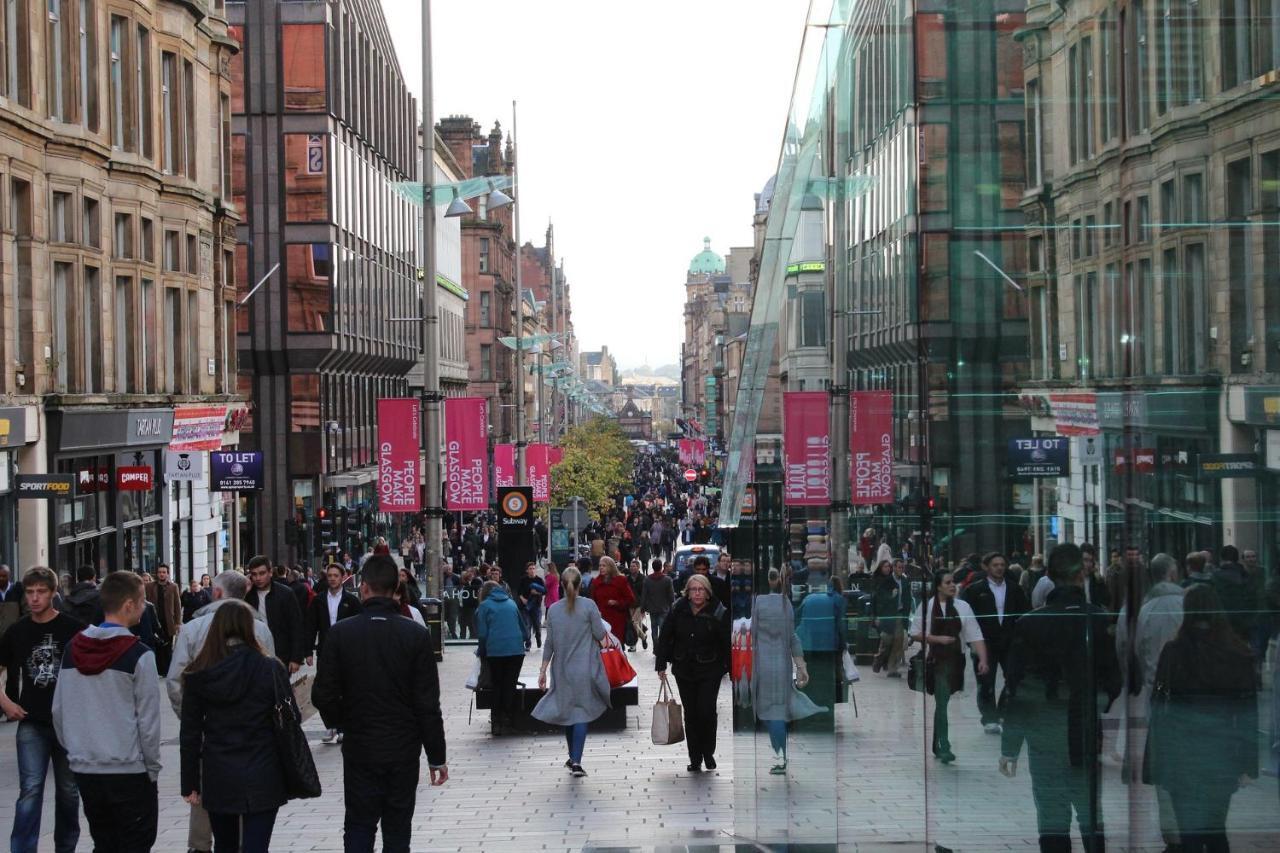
(278, 605)
(327, 609)
(1062, 672)
(997, 605)
(377, 681)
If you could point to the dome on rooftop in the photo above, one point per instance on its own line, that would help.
(706, 262)
(765, 197)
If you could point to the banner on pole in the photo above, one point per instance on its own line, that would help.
(537, 460)
(555, 455)
(806, 442)
(399, 429)
(466, 430)
(504, 465)
(871, 447)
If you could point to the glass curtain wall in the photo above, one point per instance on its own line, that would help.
(1052, 260)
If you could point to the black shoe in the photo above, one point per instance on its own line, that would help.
(644, 641)
(576, 771)
(710, 761)
(946, 757)
(694, 768)
(875, 666)
(568, 764)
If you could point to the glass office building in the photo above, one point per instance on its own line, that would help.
(1052, 238)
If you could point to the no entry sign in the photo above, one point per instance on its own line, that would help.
(690, 475)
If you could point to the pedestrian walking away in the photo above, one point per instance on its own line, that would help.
(579, 689)
(31, 653)
(379, 669)
(695, 642)
(230, 764)
(117, 759)
(502, 646)
(943, 623)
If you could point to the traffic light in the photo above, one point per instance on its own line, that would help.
(704, 475)
(324, 523)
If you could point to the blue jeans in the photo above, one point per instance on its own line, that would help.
(37, 746)
(777, 735)
(576, 737)
(247, 833)
(655, 625)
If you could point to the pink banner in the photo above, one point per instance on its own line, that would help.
(537, 461)
(806, 441)
(555, 455)
(398, 455)
(466, 453)
(871, 446)
(685, 446)
(699, 452)
(504, 465)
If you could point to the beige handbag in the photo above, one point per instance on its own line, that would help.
(668, 719)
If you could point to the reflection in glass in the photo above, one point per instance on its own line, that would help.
(306, 180)
(309, 269)
(303, 65)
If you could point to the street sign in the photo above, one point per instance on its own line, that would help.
(690, 475)
(1035, 458)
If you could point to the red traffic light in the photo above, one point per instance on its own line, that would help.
(933, 504)
(322, 513)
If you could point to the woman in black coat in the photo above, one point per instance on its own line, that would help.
(229, 760)
(695, 640)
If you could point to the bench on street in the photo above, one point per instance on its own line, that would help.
(626, 696)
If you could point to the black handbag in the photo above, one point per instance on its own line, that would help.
(301, 780)
(916, 672)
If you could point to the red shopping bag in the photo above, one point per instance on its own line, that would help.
(740, 656)
(616, 666)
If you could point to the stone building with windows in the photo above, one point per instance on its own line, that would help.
(1153, 187)
(324, 129)
(117, 288)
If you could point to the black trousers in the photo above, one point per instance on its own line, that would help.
(997, 657)
(699, 696)
(505, 672)
(122, 810)
(378, 793)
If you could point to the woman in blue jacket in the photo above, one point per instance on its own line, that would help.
(502, 647)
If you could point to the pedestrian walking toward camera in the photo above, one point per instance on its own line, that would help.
(279, 606)
(230, 764)
(945, 624)
(579, 691)
(226, 587)
(377, 682)
(502, 647)
(777, 669)
(695, 642)
(532, 590)
(613, 596)
(996, 605)
(116, 758)
(31, 654)
(328, 609)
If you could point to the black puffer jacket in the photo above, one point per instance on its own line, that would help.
(695, 644)
(377, 681)
(284, 618)
(227, 741)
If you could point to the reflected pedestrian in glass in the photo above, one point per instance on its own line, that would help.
(778, 669)
(579, 690)
(891, 600)
(1204, 721)
(695, 641)
(945, 625)
(824, 636)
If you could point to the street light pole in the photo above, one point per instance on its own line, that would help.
(430, 323)
(521, 475)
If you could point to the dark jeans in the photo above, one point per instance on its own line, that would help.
(699, 696)
(122, 810)
(535, 622)
(242, 833)
(505, 672)
(1059, 789)
(37, 746)
(988, 706)
(467, 623)
(379, 793)
(1202, 817)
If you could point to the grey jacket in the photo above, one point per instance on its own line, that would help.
(1158, 623)
(774, 646)
(579, 689)
(191, 639)
(657, 594)
(110, 674)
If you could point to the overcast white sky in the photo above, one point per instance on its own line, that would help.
(643, 128)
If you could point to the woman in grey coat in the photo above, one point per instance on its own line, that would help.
(775, 653)
(579, 692)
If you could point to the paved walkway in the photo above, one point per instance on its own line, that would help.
(871, 788)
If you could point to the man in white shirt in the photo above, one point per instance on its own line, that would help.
(996, 605)
(326, 611)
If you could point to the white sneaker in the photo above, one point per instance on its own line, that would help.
(338, 739)
(993, 728)
(329, 735)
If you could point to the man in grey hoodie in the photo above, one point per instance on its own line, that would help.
(227, 586)
(116, 760)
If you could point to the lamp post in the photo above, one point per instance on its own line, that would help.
(521, 475)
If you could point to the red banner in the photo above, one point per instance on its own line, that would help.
(399, 429)
(198, 428)
(134, 478)
(555, 455)
(504, 465)
(806, 442)
(466, 440)
(537, 461)
(699, 452)
(871, 447)
(685, 446)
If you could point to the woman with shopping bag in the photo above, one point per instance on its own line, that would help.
(777, 669)
(695, 641)
(579, 690)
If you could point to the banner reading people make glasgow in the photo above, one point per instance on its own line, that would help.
(806, 441)
(398, 456)
(504, 465)
(466, 426)
(537, 461)
(871, 447)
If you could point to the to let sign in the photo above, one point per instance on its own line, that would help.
(1035, 458)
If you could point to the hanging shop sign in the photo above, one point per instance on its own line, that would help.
(466, 428)
(45, 486)
(13, 426)
(1075, 414)
(399, 427)
(1221, 466)
(198, 428)
(180, 467)
(134, 478)
(806, 442)
(871, 447)
(1034, 458)
(235, 471)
